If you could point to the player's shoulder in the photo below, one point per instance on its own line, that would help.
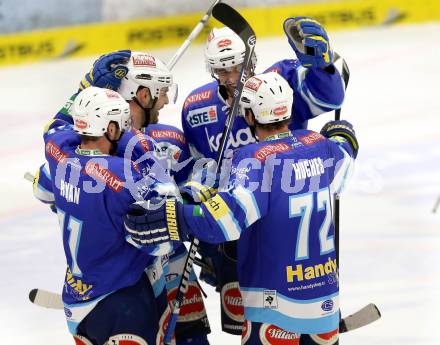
(112, 170)
(201, 96)
(61, 141)
(163, 132)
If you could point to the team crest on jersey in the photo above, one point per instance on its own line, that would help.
(263, 152)
(144, 60)
(311, 138)
(224, 43)
(202, 116)
(232, 301)
(253, 84)
(193, 307)
(273, 335)
(198, 97)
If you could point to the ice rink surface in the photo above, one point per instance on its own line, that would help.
(390, 238)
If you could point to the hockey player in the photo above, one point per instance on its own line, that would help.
(278, 205)
(317, 88)
(105, 278)
(144, 81)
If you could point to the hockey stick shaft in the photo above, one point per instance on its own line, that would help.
(231, 18)
(194, 33)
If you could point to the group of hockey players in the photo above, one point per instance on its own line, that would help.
(129, 191)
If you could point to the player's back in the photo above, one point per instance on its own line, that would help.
(287, 257)
(92, 194)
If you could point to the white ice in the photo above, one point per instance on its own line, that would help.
(390, 238)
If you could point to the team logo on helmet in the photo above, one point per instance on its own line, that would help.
(253, 84)
(273, 335)
(81, 124)
(144, 60)
(224, 43)
(280, 111)
(232, 301)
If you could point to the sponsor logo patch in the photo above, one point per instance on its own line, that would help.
(198, 97)
(104, 175)
(329, 338)
(270, 149)
(253, 84)
(241, 138)
(192, 308)
(327, 305)
(311, 138)
(55, 152)
(270, 299)
(273, 335)
(144, 60)
(142, 139)
(224, 43)
(81, 124)
(232, 301)
(280, 111)
(202, 116)
(168, 134)
(217, 207)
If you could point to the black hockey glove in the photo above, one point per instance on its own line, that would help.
(343, 129)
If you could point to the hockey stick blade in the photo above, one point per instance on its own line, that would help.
(231, 18)
(361, 318)
(46, 299)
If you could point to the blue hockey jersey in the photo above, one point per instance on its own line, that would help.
(204, 111)
(92, 193)
(278, 204)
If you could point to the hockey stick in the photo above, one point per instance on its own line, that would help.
(198, 28)
(363, 317)
(346, 78)
(436, 205)
(231, 18)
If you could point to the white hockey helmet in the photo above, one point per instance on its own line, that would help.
(145, 70)
(269, 96)
(94, 108)
(224, 49)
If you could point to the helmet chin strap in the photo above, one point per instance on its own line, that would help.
(146, 110)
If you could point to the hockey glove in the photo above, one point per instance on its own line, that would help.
(309, 41)
(203, 184)
(156, 221)
(342, 129)
(107, 72)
